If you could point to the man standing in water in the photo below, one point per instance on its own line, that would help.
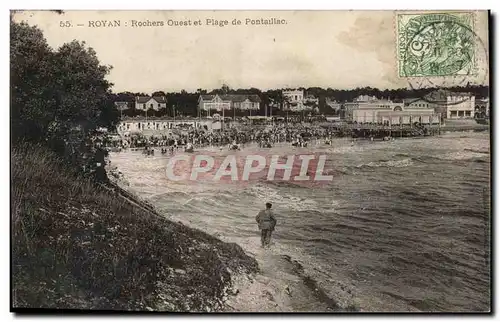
(267, 222)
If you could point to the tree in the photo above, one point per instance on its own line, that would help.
(132, 112)
(60, 98)
(159, 93)
(225, 89)
(33, 102)
(125, 97)
(83, 92)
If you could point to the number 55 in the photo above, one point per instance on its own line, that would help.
(64, 23)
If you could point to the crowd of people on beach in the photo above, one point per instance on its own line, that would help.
(234, 138)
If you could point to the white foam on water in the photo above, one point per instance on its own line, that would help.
(265, 193)
(461, 155)
(391, 163)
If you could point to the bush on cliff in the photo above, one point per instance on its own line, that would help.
(79, 245)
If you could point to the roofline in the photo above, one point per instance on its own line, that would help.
(150, 98)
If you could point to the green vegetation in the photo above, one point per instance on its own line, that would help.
(79, 245)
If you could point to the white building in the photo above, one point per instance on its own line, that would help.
(416, 103)
(452, 105)
(365, 98)
(228, 102)
(390, 113)
(296, 100)
(460, 105)
(366, 111)
(147, 102)
(294, 96)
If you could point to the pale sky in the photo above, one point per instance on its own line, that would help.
(337, 49)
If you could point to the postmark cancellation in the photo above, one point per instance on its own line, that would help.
(436, 44)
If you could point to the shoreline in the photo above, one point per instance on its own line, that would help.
(281, 284)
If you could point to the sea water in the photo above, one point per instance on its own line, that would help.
(403, 225)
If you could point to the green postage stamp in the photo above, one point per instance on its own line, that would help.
(435, 44)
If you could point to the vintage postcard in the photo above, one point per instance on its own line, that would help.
(250, 161)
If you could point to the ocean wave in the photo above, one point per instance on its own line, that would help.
(478, 151)
(390, 163)
(266, 192)
(282, 184)
(479, 156)
(462, 155)
(480, 160)
(345, 149)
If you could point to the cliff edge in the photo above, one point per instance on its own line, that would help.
(80, 245)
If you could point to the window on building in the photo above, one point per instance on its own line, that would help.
(151, 105)
(461, 113)
(453, 113)
(144, 105)
(467, 113)
(158, 105)
(296, 97)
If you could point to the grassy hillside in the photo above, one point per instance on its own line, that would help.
(79, 245)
